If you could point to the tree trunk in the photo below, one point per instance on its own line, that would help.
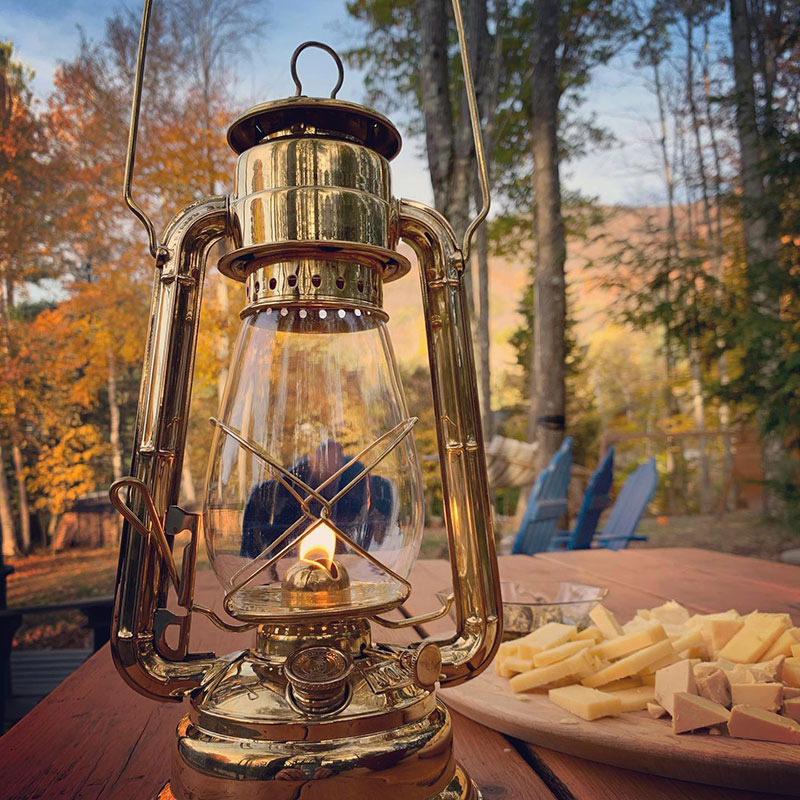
(6, 513)
(549, 295)
(114, 419)
(695, 365)
(760, 242)
(22, 499)
(674, 464)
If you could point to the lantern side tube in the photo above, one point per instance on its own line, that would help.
(161, 422)
(467, 506)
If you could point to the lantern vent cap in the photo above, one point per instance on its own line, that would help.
(317, 116)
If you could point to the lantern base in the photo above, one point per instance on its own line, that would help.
(462, 787)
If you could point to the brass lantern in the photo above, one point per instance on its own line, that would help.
(313, 504)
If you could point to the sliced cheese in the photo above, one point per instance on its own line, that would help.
(629, 665)
(755, 638)
(606, 622)
(690, 639)
(672, 680)
(586, 703)
(550, 635)
(592, 632)
(691, 712)
(634, 699)
(623, 683)
(671, 658)
(560, 653)
(717, 632)
(782, 646)
(796, 649)
(755, 723)
(576, 666)
(768, 696)
(629, 643)
(517, 664)
(670, 613)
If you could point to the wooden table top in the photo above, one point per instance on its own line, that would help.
(93, 737)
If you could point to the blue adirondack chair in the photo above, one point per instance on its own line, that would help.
(637, 492)
(595, 500)
(548, 501)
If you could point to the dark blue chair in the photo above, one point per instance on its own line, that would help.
(547, 503)
(596, 499)
(637, 492)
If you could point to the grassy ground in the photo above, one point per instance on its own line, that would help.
(43, 578)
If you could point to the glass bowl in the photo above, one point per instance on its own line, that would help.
(527, 607)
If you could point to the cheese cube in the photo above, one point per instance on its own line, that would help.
(768, 696)
(634, 699)
(550, 635)
(691, 712)
(655, 710)
(673, 680)
(623, 645)
(605, 621)
(559, 653)
(755, 638)
(586, 703)
(712, 683)
(575, 666)
(755, 723)
(629, 665)
(501, 669)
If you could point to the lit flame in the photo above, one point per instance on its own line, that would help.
(318, 546)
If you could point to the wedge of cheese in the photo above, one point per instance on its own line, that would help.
(755, 637)
(586, 703)
(606, 622)
(791, 708)
(629, 665)
(691, 712)
(576, 666)
(675, 679)
(755, 723)
(718, 629)
(651, 633)
(560, 653)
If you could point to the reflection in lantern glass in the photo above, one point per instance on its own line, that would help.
(314, 438)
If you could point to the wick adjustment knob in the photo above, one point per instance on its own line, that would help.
(424, 663)
(318, 678)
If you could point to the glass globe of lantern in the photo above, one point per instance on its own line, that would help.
(313, 498)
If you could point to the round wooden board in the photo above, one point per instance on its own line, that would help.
(633, 740)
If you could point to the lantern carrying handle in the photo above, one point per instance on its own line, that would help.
(331, 52)
(156, 250)
(475, 121)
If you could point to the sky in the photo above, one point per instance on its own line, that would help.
(45, 32)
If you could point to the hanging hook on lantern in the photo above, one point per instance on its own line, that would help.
(331, 52)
